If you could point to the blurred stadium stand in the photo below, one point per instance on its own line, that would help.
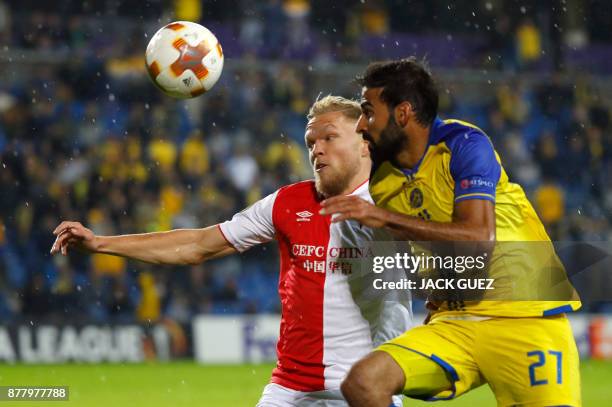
(84, 135)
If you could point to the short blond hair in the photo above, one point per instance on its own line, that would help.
(331, 103)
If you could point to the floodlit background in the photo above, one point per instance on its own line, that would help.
(84, 135)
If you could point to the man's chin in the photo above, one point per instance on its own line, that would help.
(319, 186)
(326, 187)
(382, 154)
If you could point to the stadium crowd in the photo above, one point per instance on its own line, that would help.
(89, 138)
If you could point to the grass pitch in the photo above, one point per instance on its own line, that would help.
(189, 384)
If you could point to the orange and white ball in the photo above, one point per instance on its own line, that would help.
(184, 59)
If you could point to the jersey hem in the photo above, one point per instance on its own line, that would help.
(226, 239)
(448, 368)
(295, 386)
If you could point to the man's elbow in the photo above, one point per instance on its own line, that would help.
(484, 234)
(489, 235)
(202, 255)
(184, 257)
(197, 258)
(201, 251)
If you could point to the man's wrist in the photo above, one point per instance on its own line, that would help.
(97, 244)
(382, 216)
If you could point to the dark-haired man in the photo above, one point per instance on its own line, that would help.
(441, 180)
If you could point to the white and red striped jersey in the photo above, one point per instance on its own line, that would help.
(325, 325)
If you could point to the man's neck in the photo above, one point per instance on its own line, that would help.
(411, 154)
(355, 183)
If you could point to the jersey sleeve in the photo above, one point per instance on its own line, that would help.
(252, 226)
(474, 167)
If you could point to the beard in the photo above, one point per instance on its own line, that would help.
(392, 140)
(335, 181)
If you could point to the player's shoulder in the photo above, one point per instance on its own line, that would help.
(299, 192)
(301, 187)
(458, 134)
(453, 131)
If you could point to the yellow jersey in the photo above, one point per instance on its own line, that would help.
(460, 163)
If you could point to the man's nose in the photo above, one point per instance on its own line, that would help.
(317, 148)
(362, 125)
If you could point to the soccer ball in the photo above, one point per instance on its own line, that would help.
(184, 59)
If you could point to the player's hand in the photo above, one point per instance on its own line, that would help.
(352, 207)
(72, 235)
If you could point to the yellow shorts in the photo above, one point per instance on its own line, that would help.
(526, 361)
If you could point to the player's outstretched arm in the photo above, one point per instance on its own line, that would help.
(180, 246)
(473, 220)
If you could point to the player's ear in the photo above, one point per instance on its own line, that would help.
(403, 113)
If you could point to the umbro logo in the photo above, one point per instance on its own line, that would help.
(303, 216)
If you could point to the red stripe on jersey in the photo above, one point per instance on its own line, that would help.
(303, 241)
(359, 186)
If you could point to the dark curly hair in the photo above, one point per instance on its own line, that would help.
(404, 80)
